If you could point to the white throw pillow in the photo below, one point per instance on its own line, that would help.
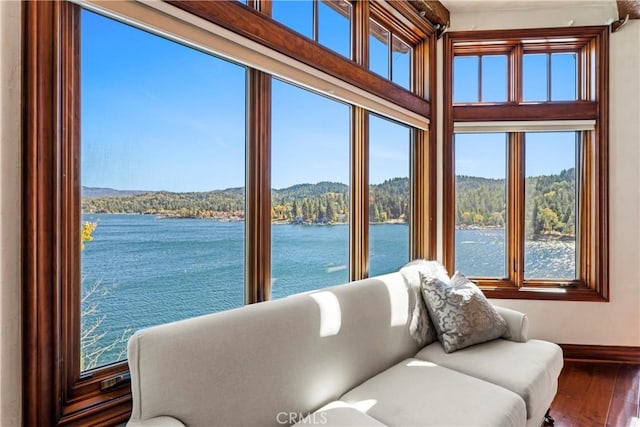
(421, 328)
(460, 312)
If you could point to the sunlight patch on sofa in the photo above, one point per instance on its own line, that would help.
(362, 405)
(399, 304)
(421, 364)
(330, 313)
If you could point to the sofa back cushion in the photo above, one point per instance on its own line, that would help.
(246, 366)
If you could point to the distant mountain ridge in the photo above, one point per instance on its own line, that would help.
(323, 202)
(93, 192)
(302, 190)
(297, 189)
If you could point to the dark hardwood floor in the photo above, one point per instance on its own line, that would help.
(598, 394)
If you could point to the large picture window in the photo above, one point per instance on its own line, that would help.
(481, 209)
(310, 191)
(550, 204)
(389, 207)
(164, 182)
(521, 222)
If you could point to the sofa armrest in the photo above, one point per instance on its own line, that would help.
(517, 322)
(156, 422)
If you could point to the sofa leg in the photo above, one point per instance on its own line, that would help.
(548, 419)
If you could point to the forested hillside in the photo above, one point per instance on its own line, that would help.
(553, 205)
(480, 202)
(323, 202)
(549, 201)
(389, 201)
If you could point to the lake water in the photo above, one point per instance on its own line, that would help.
(151, 271)
(481, 253)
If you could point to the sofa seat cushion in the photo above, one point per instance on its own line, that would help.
(529, 369)
(420, 393)
(339, 414)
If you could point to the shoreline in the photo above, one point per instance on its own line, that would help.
(223, 218)
(544, 237)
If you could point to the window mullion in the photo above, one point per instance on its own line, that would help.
(584, 205)
(263, 6)
(548, 77)
(390, 55)
(420, 70)
(480, 78)
(316, 21)
(258, 188)
(359, 188)
(581, 80)
(360, 33)
(420, 178)
(588, 78)
(359, 170)
(515, 74)
(515, 207)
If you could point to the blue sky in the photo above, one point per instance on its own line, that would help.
(160, 116)
(157, 115)
(485, 154)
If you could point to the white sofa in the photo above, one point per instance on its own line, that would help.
(340, 356)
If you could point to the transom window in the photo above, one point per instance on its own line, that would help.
(520, 70)
(326, 21)
(390, 43)
(389, 55)
(550, 76)
(480, 78)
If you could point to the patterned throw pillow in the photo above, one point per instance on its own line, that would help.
(460, 312)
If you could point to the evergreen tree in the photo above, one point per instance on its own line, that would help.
(294, 209)
(330, 213)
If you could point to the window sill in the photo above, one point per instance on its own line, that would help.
(112, 408)
(538, 293)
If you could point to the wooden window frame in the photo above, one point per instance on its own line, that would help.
(591, 45)
(55, 391)
(260, 28)
(507, 51)
(532, 50)
(266, 6)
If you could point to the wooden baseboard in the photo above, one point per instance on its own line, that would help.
(602, 353)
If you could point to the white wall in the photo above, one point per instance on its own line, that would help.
(618, 321)
(10, 215)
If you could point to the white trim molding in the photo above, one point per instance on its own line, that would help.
(524, 126)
